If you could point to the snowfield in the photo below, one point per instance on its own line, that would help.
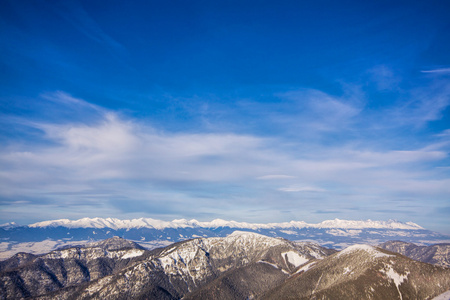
(294, 258)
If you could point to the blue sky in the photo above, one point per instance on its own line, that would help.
(257, 111)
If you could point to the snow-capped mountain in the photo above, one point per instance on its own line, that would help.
(217, 223)
(48, 235)
(8, 225)
(242, 265)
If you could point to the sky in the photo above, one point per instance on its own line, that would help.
(256, 111)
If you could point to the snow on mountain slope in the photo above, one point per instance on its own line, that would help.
(438, 254)
(183, 223)
(8, 225)
(369, 249)
(364, 272)
(294, 258)
(185, 266)
(242, 265)
(26, 275)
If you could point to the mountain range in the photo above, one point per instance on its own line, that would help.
(45, 236)
(242, 265)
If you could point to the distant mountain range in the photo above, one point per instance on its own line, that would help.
(217, 223)
(242, 265)
(45, 236)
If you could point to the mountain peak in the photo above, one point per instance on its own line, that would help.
(372, 251)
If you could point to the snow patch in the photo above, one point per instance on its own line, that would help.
(133, 253)
(347, 270)
(305, 267)
(268, 263)
(294, 258)
(397, 278)
(316, 255)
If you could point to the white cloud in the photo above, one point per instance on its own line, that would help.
(80, 155)
(299, 188)
(275, 176)
(111, 161)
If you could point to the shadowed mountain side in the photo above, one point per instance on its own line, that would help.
(249, 282)
(17, 260)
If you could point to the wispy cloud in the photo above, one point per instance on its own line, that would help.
(440, 70)
(113, 160)
(67, 100)
(320, 111)
(73, 12)
(384, 78)
(275, 176)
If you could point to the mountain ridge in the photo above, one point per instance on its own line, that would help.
(178, 269)
(45, 236)
(115, 223)
(437, 254)
(242, 265)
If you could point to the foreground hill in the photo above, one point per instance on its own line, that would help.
(364, 272)
(243, 265)
(131, 272)
(438, 254)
